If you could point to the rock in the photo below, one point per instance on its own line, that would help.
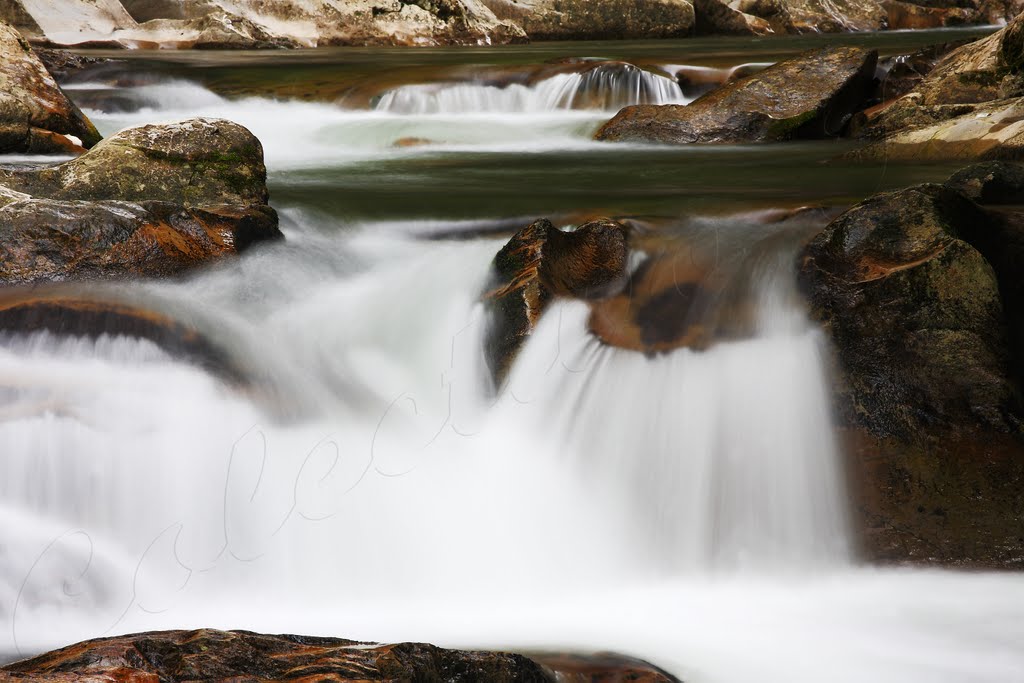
(810, 96)
(905, 16)
(540, 263)
(210, 655)
(992, 182)
(63, 63)
(587, 20)
(149, 201)
(976, 132)
(836, 16)
(233, 24)
(981, 71)
(63, 313)
(927, 397)
(717, 18)
(197, 162)
(35, 115)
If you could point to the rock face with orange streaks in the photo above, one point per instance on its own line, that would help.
(209, 655)
(540, 263)
(149, 201)
(35, 115)
(917, 290)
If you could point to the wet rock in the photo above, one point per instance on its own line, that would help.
(975, 132)
(992, 182)
(927, 394)
(905, 16)
(149, 201)
(836, 16)
(63, 63)
(810, 96)
(75, 314)
(540, 263)
(717, 18)
(209, 655)
(35, 115)
(587, 20)
(197, 162)
(981, 71)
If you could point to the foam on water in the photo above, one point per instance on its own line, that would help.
(687, 508)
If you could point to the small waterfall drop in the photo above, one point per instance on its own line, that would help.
(605, 88)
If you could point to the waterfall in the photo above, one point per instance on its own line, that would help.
(602, 88)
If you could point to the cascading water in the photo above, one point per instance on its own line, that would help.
(686, 507)
(606, 89)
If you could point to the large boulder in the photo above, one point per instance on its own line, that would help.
(149, 201)
(811, 96)
(196, 162)
(541, 263)
(210, 655)
(928, 399)
(35, 115)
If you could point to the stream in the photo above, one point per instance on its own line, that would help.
(688, 508)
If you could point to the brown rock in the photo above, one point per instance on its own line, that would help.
(587, 20)
(927, 394)
(35, 115)
(810, 96)
(149, 201)
(903, 16)
(993, 130)
(540, 263)
(210, 655)
(716, 18)
(62, 313)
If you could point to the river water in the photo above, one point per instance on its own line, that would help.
(688, 508)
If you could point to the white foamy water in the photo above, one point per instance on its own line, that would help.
(606, 89)
(688, 508)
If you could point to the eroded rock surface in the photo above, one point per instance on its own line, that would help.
(810, 96)
(149, 201)
(35, 115)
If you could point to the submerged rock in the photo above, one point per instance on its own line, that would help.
(540, 263)
(75, 314)
(149, 201)
(810, 96)
(35, 114)
(929, 401)
(210, 655)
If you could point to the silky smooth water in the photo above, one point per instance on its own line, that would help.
(687, 508)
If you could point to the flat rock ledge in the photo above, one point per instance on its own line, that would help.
(210, 655)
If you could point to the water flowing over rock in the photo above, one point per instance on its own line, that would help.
(541, 263)
(589, 85)
(928, 394)
(811, 96)
(79, 314)
(211, 655)
(153, 200)
(35, 115)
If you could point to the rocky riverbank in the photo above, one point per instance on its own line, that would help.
(235, 24)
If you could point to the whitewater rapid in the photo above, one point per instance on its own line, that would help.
(688, 509)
